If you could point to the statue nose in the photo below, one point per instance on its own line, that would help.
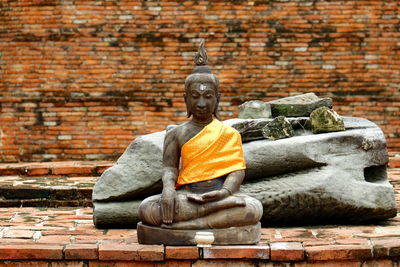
(201, 104)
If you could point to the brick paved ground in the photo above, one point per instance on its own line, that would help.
(67, 233)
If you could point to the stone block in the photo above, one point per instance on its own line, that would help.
(278, 128)
(325, 120)
(299, 105)
(254, 109)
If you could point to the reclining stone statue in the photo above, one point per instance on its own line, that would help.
(305, 178)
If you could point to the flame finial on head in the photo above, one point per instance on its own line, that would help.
(201, 57)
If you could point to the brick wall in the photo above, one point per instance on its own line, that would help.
(81, 79)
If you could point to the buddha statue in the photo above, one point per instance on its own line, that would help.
(203, 168)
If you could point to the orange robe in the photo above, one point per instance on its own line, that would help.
(215, 151)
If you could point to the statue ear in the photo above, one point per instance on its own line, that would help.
(188, 113)
(215, 113)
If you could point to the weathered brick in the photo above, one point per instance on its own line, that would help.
(81, 252)
(237, 252)
(386, 247)
(338, 252)
(31, 252)
(181, 252)
(287, 251)
(119, 252)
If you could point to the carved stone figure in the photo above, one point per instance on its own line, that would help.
(202, 193)
(328, 177)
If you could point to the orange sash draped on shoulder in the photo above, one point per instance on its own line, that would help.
(215, 151)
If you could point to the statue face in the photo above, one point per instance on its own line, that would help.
(201, 100)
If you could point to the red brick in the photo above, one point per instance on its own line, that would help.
(118, 252)
(81, 252)
(176, 252)
(287, 251)
(338, 252)
(11, 233)
(388, 247)
(172, 263)
(169, 263)
(72, 170)
(31, 252)
(333, 263)
(151, 252)
(223, 263)
(237, 252)
(379, 263)
(37, 171)
(19, 263)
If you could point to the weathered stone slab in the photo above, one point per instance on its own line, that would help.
(337, 176)
(341, 181)
(278, 128)
(324, 120)
(251, 130)
(137, 172)
(115, 214)
(299, 105)
(254, 109)
(244, 235)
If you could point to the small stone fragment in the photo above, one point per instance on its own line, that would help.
(255, 109)
(324, 120)
(299, 105)
(278, 128)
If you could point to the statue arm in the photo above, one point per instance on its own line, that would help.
(233, 181)
(170, 173)
(231, 185)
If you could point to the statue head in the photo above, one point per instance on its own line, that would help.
(202, 89)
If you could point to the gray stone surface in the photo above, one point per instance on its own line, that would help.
(278, 128)
(137, 172)
(298, 106)
(324, 178)
(328, 177)
(254, 109)
(251, 130)
(325, 120)
(243, 235)
(116, 214)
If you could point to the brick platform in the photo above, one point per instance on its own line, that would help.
(66, 236)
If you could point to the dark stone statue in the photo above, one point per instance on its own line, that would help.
(202, 193)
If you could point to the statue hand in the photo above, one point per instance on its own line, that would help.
(209, 196)
(168, 205)
(215, 195)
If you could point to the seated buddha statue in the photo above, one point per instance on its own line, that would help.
(203, 166)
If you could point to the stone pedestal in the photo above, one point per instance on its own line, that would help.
(243, 235)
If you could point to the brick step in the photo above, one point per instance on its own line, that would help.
(49, 184)
(69, 168)
(46, 191)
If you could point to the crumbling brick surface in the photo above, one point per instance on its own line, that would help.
(81, 79)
